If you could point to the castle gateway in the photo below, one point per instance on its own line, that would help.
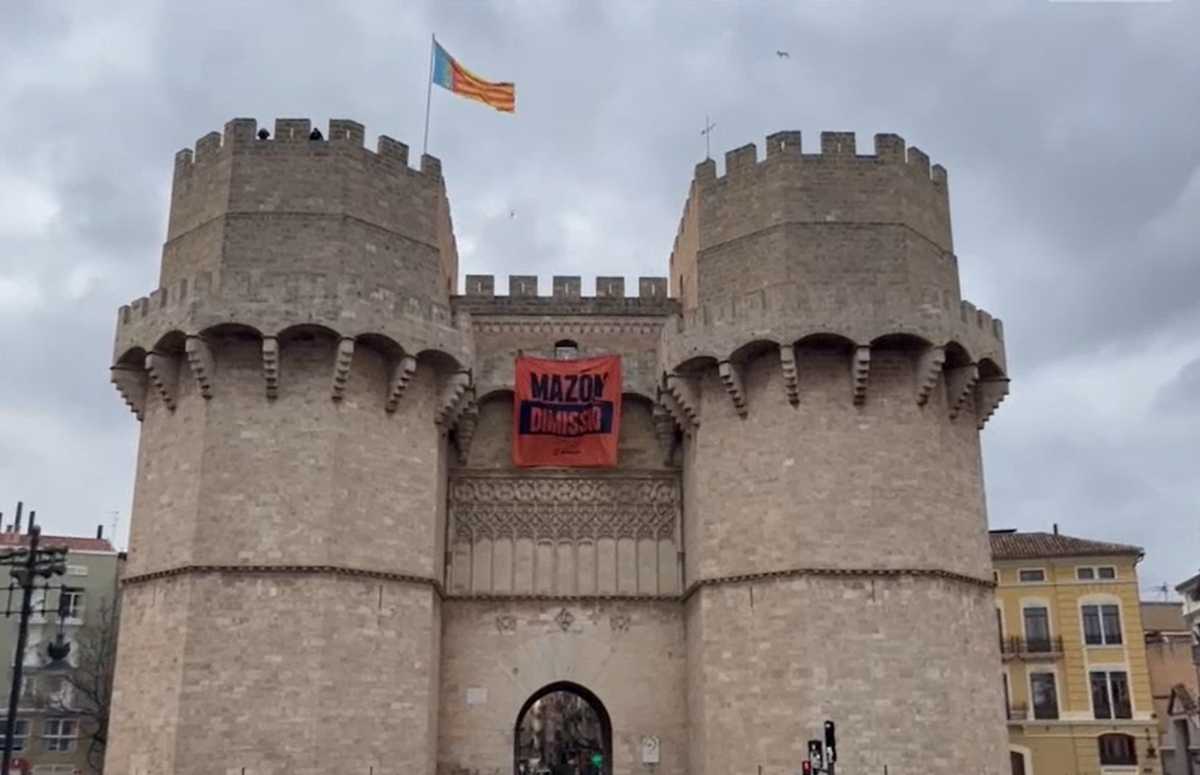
(335, 566)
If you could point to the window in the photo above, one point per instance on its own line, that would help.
(1106, 572)
(58, 734)
(70, 604)
(20, 733)
(1016, 760)
(1031, 575)
(1102, 625)
(1085, 573)
(1119, 750)
(1037, 628)
(1045, 695)
(566, 349)
(1110, 694)
(1091, 573)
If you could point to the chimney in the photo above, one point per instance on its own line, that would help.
(100, 532)
(32, 515)
(1055, 528)
(17, 522)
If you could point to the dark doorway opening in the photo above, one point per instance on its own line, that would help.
(563, 729)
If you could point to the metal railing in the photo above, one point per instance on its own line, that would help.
(1031, 648)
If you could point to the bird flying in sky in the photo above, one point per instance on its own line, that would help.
(783, 55)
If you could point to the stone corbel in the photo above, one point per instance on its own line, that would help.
(988, 395)
(860, 370)
(464, 432)
(664, 430)
(731, 377)
(929, 368)
(270, 356)
(959, 384)
(402, 373)
(341, 367)
(163, 371)
(453, 396)
(200, 360)
(683, 391)
(791, 380)
(131, 384)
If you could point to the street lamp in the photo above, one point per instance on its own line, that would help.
(32, 568)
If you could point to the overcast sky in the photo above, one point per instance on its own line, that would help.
(1071, 132)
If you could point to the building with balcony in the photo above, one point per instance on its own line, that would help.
(1175, 683)
(1076, 682)
(57, 716)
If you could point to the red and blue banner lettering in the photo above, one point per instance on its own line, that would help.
(567, 413)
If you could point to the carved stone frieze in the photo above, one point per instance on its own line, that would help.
(563, 507)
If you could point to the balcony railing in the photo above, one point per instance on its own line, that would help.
(1031, 648)
(1018, 712)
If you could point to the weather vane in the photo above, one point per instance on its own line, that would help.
(707, 132)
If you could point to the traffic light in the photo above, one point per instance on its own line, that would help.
(830, 743)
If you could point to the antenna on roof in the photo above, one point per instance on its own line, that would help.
(1055, 528)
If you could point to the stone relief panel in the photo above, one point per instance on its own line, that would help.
(564, 535)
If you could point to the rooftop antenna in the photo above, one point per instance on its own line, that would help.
(709, 125)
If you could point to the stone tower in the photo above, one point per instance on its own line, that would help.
(287, 520)
(335, 567)
(831, 383)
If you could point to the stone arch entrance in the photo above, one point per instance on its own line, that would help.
(560, 729)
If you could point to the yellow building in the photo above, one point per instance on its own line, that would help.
(1074, 656)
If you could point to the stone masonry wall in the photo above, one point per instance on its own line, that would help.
(630, 654)
(906, 666)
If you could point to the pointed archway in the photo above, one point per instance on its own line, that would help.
(562, 728)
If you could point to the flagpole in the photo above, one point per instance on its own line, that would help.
(428, 93)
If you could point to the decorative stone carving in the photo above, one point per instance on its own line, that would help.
(959, 384)
(620, 621)
(791, 380)
(664, 431)
(341, 367)
(731, 378)
(929, 368)
(684, 393)
(200, 359)
(860, 369)
(506, 623)
(163, 370)
(564, 619)
(567, 508)
(131, 384)
(453, 396)
(402, 373)
(988, 395)
(465, 430)
(270, 354)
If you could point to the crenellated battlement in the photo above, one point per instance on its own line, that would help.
(310, 201)
(566, 297)
(838, 148)
(294, 134)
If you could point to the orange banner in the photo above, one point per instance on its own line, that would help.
(567, 413)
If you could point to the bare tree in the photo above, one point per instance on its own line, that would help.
(82, 686)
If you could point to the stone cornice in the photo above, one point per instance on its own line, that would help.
(510, 324)
(283, 570)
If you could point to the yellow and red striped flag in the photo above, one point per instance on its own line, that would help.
(449, 73)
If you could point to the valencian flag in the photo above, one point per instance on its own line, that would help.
(449, 73)
(567, 413)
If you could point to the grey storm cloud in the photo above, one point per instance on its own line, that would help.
(1068, 129)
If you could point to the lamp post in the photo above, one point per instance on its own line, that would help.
(28, 564)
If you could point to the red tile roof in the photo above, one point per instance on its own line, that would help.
(1030, 546)
(75, 543)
